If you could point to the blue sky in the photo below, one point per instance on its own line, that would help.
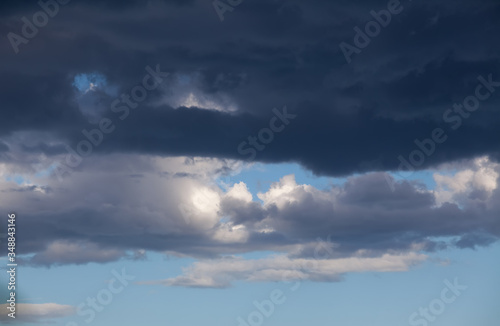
(384, 298)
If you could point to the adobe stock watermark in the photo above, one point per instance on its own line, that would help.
(266, 308)
(454, 118)
(372, 29)
(437, 307)
(50, 8)
(221, 7)
(94, 305)
(94, 137)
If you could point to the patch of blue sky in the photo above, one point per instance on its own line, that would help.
(260, 176)
(86, 81)
(17, 178)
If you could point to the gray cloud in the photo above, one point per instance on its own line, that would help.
(102, 207)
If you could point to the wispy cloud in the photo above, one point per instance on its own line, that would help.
(36, 313)
(222, 273)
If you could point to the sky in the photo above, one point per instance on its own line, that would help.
(248, 163)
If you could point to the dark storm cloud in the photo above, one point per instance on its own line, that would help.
(352, 117)
(10, 7)
(3, 147)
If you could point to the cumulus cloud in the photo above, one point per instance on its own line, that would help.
(119, 205)
(478, 181)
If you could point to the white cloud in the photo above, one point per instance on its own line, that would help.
(287, 191)
(240, 191)
(36, 313)
(222, 273)
(481, 176)
(229, 233)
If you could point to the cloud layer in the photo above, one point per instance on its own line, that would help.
(221, 273)
(225, 78)
(110, 210)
